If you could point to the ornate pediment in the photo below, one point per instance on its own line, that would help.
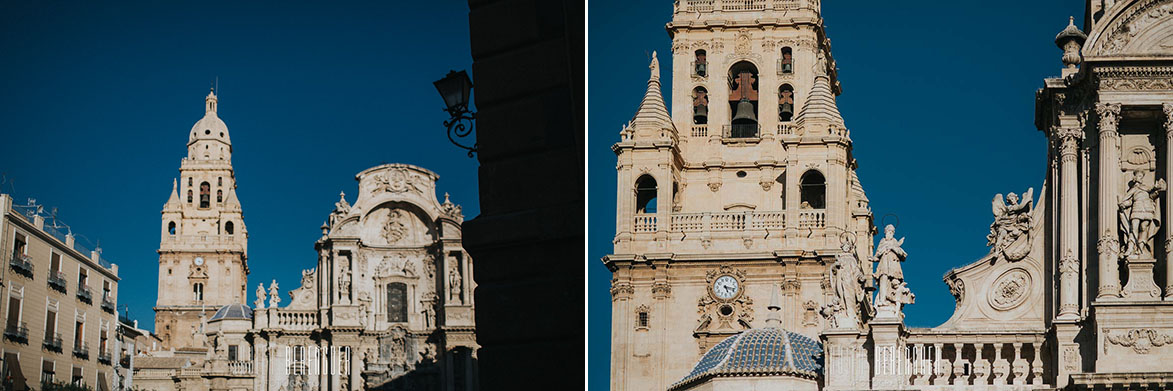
(1139, 28)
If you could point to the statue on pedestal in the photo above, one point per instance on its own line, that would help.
(274, 297)
(260, 303)
(1140, 216)
(893, 292)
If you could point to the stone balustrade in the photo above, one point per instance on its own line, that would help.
(240, 367)
(700, 130)
(645, 223)
(743, 5)
(812, 219)
(786, 128)
(713, 222)
(933, 360)
(295, 319)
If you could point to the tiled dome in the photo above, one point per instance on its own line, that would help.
(759, 352)
(233, 311)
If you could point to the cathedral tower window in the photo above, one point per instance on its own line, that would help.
(786, 63)
(205, 195)
(189, 196)
(785, 103)
(228, 227)
(643, 319)
(743, 100)
(197, 291)
(219, 181)
(396, 302)
(189, 182)
(219, 196)
(171, 228)
(645, 194)
(700, 106)
(700, 66)
(814, 190)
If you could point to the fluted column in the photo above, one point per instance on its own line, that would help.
(1068, 140)
(1108, 245)
(1168, 109)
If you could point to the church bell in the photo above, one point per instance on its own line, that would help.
(744, 112)
(700, 114)
(785, 111)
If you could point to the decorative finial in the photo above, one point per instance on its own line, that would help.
(446, 198)
(655, 66)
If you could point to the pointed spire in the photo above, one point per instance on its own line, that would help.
(173, 200)
(653, 113)
(820, 104)
(231, 203)
(210, 102)
(772, 319)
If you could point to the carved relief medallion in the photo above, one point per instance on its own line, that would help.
(1140, 340)
(1010, 289)
(396, 227)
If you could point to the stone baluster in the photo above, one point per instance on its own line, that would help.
(959, 376)
(1108, 245)
(1020, 365)
(1068, 140)
(1001, 365)
(981, 366)
(940, 365)
(920, 371)
(1168, 109)
(1036, 365)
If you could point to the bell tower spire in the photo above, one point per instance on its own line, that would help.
(210, 103)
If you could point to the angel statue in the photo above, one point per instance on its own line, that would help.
(1139, 216)
(889, 254)
(1009, 236)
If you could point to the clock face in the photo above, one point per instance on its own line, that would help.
(725, 287)
(199, 261)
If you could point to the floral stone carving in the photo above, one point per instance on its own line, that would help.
(1010, 290)
(1140, 340)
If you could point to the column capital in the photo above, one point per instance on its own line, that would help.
(1167, 107)
(1109, 114)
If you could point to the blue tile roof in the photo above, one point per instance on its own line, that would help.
(756, 352)
(233, 311)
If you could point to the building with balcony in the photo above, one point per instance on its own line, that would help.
(1074, 294)
(49, 276)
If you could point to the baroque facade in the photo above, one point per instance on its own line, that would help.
(1074, 293)
(388, 305)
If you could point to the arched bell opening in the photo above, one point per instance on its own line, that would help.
(700, 106)
(785, 103)
(645, 194)
(700, 65)
(743, 100)
(786, 62)
(813, 190)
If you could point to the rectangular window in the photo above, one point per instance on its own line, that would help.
(77, 379)
(197, 291)
(78, 334)
(13, 313)
(82, 277)
(55, 261)
(231, 352)
(47, 371)
(102, 342)
(396, 302)
(105, 289)
(643, 319)
(18, 246)
(50, 324)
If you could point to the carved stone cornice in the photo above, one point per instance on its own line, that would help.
(621, 290)
(661, 289)
(1109, 114)
(1134, 78)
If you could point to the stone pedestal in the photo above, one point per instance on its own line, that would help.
(344, 315)
(1141, 285)
(846, 359)
(1133, 336)
(891, 366)
(1070, 360)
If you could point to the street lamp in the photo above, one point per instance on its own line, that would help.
(455, 88)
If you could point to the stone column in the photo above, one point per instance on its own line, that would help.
(1108, 245)
(1168, 109)
(1068, 140)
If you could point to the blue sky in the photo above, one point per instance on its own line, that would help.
(939, 97)
(98, 99)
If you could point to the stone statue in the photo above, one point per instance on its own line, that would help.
(1009, 236)
(260, 303)
(889, 275)
(274, 297)
(341, 208)
(852, 303)
(1140, 216)
(455, 285)
(344, 287)
(655, 66)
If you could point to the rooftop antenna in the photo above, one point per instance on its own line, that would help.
(217, 86)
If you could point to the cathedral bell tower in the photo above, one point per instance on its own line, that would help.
(203, 261)
(745, 189)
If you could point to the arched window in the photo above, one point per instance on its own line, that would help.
(743, 100)
(814, 190)
(786, 62)
(188, 181)
(700, 66)
(219, 181)
(785, 103)
(197, 291)
(700, 106)
(205, 195)
(396, 302)
(189, 196)
(645, 194)
(228, 227)
(219, 196)
(171, 228)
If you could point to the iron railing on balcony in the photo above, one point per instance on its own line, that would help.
(22, 264)
(57, 281)
(53, 342)
(740, 131)
(84, 294)
(81, 351)
(104, 358)
(17, 332)
(107, 304)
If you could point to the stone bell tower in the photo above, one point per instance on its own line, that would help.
(746, 187)
(203, 261)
